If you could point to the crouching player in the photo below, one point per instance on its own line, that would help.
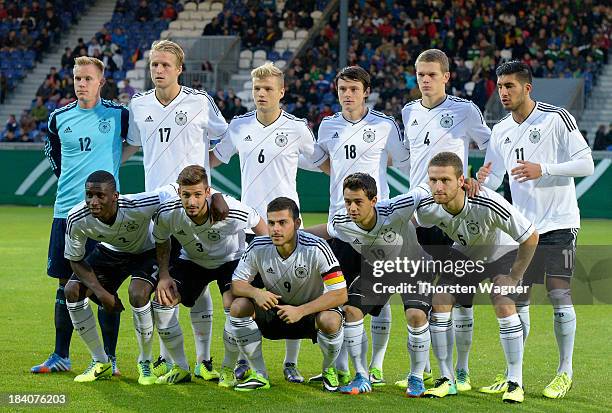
(123, 225)
(304, 288)
(487, 231)
(380, 231)
(210, 252)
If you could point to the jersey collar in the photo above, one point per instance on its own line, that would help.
(356, 122)
(435, 107)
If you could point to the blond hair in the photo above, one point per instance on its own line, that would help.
(170, 47)
(86, 60)
(434, 56)
(267, 70)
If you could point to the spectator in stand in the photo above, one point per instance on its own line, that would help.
(27, 122)
(53, 24)
(169, 12)
(94, 47)
(118, 59)
(213, 28)
(143, 13)
(127, 88)
(109, 90)
(46, 90)
(107, 59)
(3, 87)
(119, 38)
(67, 61)
(238, 108)
(40, 113)
(603, 138)
(25, 40)
(11, 124)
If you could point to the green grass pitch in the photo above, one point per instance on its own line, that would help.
(26, 338)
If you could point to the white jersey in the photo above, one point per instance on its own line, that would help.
(174, 136)
(393, 234)
(447, 127)
(549, 135)
(487, 227)
(209, 246)
(131, 231)
(304, 276)
(268, 156)
(362, 146)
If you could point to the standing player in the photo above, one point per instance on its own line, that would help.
(269, 142)
(173, 124)
(83, 137)
(359, 140)
(380, 232)
(442, 123)
(486, 230)
(123, 225)
(304, 287)
(210, 251)
(540, 146)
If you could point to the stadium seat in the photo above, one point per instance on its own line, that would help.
(316, 15)
(257, 62)
(187, 25)
(184, 15)
(248, 85)
(289, 34)
(301, 34)
(281, 45)
(244, 64)
(259, 54)
(205, 6)
(175, 25)
(469, 64)
(506, 55)
(246, 54)
(138, 84)
(295, 44)
(469, 88)
(273, 56)
(200, 25)
(134, 74)
(141, 64)
(166, 34)
(190, 6)
(281, 64)
(216, 7)
(245, 95)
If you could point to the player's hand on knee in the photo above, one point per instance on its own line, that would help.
(111, 303)
(289, 314)
(167, 293)
(266, 299)
(472, 187)
(484, 172)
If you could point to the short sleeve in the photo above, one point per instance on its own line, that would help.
(226, 148)
(246, 268)
(217, 126)
(244, 215)
(478, 131)
(74, 249)
(307, 141)
(133, 135)
(511, 221)
(161, 227)
(571, 138)
(396, 149)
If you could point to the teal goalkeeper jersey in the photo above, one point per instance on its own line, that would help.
(82, 141)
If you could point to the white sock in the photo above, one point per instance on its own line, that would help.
(511, 337)
(463, 322)
(522, 309)
(84, 323)
(292, 351)
(565, 327)
(419, 341)
(201, 323)
(143, 326)
(330, 345)
(380, 328)
(428, 362)
(163, 351)
(170, 333)
(353, 340)
(248, 338)
(441, 329)
(342, 361)
(229, 343)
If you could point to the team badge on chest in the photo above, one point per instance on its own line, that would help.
(473, 227)
(534, 136)
(180, 118)
(131, 226)
(281, 139)
(389, 235)
(213, 235)
(301, 271)
(369, 135)
(104, 126)
(446, 122)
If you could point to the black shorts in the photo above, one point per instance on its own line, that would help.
(273, 328)
(502, 265)
(57, 265)
(349, 259)
(191, 279)
(420, 300)
(434, 241)
(112, 267)
(554, 256)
